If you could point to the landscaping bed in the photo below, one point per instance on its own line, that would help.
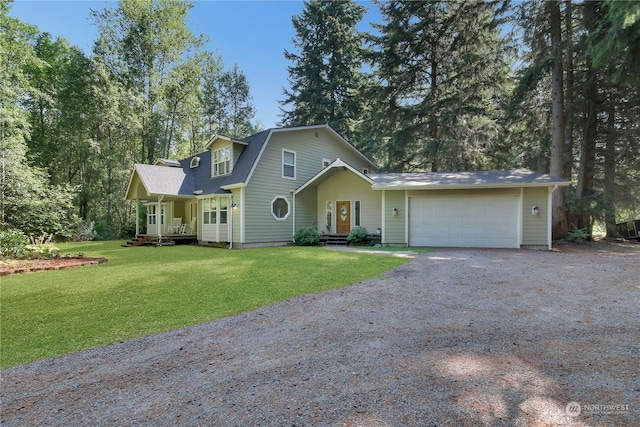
(16, 266)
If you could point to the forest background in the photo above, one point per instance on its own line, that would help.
(553, 86)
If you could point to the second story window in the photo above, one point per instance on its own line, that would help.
(288, 164)
(221, 164)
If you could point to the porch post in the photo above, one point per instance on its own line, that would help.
(137, 216)
(159, 217)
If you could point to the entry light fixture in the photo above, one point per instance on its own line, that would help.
(535, 210)
(234, 205)
(395, 211)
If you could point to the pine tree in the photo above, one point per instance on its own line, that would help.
(325, 75)
(438, 70)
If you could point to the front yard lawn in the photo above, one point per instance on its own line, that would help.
(147, 290)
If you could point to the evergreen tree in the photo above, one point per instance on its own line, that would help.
(439, 69)
(325, 75)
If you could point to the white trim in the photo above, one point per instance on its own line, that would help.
(258, 157)
(242, 214)
(326, 162)
(284, 218)
(332, 131)
(336, 163)
(406, 218)
(216, 137)
(194, 163)
(295, 166)
(230, 187)
(383, 226)
(520, 217)
(213, 162)
(550, 216)
(325, 126)
(380, 187)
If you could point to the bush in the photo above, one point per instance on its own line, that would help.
(41, 247)
(308, 236)
(84, 232)
(358, 236)
(578, 235)
(13, 244)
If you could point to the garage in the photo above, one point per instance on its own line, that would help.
(480, 221)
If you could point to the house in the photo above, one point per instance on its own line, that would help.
(259, 190)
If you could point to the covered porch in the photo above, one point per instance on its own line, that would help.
(337, 199)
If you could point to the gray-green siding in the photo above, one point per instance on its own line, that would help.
(535, 228)
(311, 147)
(395, 225)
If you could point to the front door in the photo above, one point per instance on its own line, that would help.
(343, 223)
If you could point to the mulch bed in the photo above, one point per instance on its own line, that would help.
(16, 266)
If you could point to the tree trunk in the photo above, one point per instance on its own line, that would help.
(559, 217)
(610, 173)
(568, 99)
(584, 187)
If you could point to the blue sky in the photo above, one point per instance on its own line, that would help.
(253, 34)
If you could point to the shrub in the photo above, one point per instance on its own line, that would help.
(85, 231)
(307, 236)
(578, 235)
(13, 244)
(358, 236)
(41, 247)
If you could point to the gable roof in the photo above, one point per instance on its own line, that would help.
(462, 180)
(179, 179)
(162, 180)
(329, 171)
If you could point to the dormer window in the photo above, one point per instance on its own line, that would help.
(195, 162)
(221, 164)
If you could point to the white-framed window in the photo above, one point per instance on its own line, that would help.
(214, 210)
(209, 211)
(357, 213)
(152, 215)
(221, 162)
(288, 164)
(195, 162)
(325, 163)
(280, 208)
(223, 209)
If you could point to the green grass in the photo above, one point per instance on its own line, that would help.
(146, 290)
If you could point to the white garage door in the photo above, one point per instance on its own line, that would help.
(464, 221)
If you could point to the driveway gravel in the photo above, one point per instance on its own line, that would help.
(455, 337)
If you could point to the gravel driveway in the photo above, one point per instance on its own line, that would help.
(453, 338)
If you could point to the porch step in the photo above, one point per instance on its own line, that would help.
(335, 239)
(138, 241)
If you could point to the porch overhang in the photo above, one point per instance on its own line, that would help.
(152, 181)
(326, 173)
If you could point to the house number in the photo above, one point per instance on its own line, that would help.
(343, 213)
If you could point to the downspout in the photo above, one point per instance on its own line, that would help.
(233, 208)
(550, 217)
(293, 234)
